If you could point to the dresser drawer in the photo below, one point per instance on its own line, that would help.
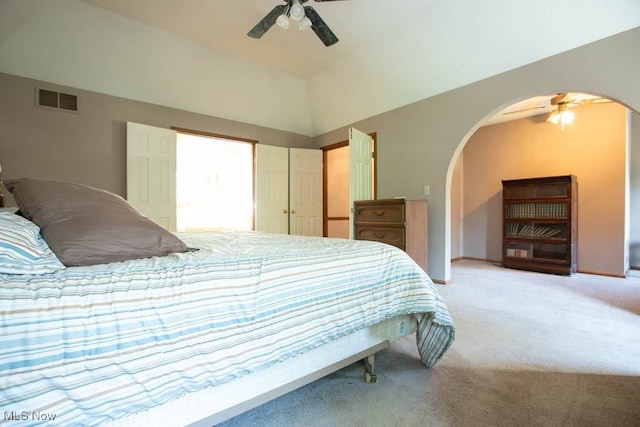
(389, 235)
(380, 212)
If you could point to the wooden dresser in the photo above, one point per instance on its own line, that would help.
(398, 222)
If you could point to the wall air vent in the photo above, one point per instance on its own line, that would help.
(56, 100)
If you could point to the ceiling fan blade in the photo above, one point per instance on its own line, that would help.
(319, 27)
(595, 101)
(523, 110)
(267, 22)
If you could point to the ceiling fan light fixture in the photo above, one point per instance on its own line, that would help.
(304, 23)
(567, 117)
(283, 21)
(562, 116)
(554, 117)
(297, 11)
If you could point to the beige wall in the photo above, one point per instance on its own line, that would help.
(416, 145)
(593, 148)
(457, 206)
(634, 187)
(89, 147)
(419, 144)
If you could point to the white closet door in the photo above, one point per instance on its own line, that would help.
(151, 172)
(305, 191)
(360, 170)
(272, 189)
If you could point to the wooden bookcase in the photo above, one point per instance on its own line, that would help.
(539, 226)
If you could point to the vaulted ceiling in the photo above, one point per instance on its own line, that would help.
(391, 53)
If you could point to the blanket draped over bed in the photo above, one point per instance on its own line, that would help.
(91, 344)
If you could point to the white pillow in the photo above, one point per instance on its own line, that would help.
(22, 249)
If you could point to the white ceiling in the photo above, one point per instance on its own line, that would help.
(361, 25)
(223, 24)
(391, 52)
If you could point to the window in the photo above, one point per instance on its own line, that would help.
(214, 183)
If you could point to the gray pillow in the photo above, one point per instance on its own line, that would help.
(85, 226)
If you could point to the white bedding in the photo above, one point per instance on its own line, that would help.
(92, 344)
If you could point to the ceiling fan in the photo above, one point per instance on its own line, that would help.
(562, 101)
(557, 106)
(576, 99)
(305, 15)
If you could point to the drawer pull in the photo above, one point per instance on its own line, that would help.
(379, 213)
(379, 235)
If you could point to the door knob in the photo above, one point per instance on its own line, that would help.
(293, 211)
(285, 211)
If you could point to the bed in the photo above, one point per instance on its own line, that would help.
(198, 333)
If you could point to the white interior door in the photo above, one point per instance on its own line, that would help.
(272, 189)
(360, 170)
(151, 172)
(305, 192)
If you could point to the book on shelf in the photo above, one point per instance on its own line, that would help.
(537, 210)
(518, 253)
(531, 231)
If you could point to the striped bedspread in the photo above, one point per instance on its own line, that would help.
(86, 345)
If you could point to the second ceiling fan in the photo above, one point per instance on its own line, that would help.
(306, 16)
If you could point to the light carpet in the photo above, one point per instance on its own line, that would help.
(531, 349)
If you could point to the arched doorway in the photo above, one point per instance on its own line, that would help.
(596, 148)
(419, 143)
